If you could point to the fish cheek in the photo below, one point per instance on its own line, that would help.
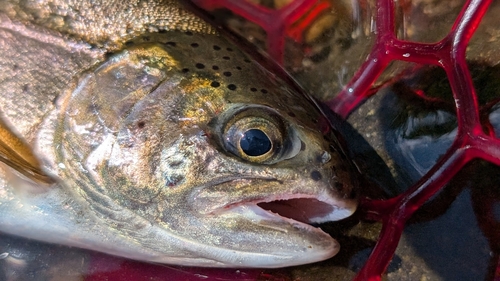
(156, 152)
(129, 172)
(128, 180)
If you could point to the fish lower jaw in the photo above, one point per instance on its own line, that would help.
(313, 246)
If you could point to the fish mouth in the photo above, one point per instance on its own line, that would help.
(275, 217)
(303, 209)
(291, 204)
(314, 206)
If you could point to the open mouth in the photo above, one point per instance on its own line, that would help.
(300, 208)
(316, 206)
(306, 210)
(277, 218)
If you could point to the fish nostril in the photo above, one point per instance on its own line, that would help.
(325, 157)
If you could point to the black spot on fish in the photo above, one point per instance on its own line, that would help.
(229, 49)
(264, 91)
(170, 43)
(175, 163)
(141, 124)
(238, 67)
(173, 180)
(200, 66)
(316, 175)
(253, 89)
(338, 185)
(231, 87)
(216, 47)
(129, 44)
(194, 45)
(185, 70)
(215, 84)
(189, 33)
(291, 114)
(226, 57)
(146, 38)
(93, 108)
(227, 73)
(215, 67)
(247, 60)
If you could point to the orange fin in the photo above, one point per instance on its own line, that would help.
(19, 155)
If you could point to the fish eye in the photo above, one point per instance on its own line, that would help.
(259, 135)
(255, 142)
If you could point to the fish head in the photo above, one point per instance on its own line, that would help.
(211, 159)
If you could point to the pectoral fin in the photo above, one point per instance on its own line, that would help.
(17, 154)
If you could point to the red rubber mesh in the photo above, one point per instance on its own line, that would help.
(471, 141)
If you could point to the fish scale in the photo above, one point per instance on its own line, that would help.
(220, 62)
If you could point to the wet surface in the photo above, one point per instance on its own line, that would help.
(396, 137)
(409, 123)
(445, 239)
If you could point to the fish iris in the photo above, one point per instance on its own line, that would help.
(255, 142)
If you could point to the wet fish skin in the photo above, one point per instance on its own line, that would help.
(69, 36)
(139, 144)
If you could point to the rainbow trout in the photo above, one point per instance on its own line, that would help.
(132, 129)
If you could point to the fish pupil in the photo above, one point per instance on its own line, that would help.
(255, 142)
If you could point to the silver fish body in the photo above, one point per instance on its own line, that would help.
(176, 148)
